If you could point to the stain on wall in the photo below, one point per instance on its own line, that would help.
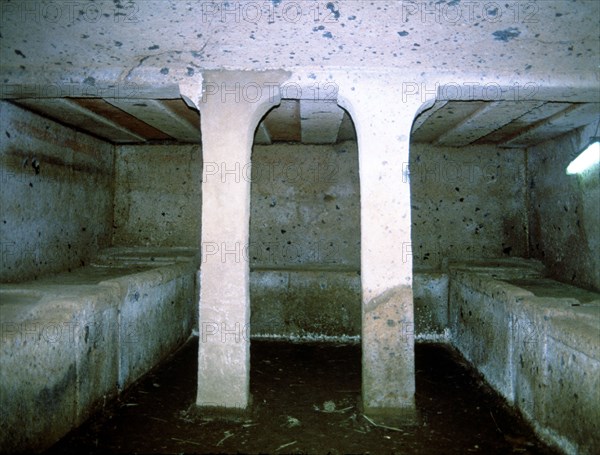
(55, 195)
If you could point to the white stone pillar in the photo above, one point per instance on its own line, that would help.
(383, 122)
(231, 106)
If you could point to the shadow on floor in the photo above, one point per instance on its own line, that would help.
(306, 401)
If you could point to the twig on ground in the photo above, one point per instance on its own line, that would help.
(382, 426)
(495, 423)
(228, 434)
(187, 441)
(159, 419)
(285, 445)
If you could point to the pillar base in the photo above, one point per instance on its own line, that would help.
(234, 414)
(394, 417)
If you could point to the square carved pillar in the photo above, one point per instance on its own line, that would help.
(232, 104)
(383, 122)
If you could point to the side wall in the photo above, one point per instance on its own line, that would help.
(565, 211)
(55, 195)
(157, 199)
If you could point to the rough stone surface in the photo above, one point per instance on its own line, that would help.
(483, 327)
(224, 351)
(38, 376)
(539, 351)
(430, 295)
(72, 341)
(116, 43)
(571, 401)
(305, 240)
(564, 211)
(156, 312)
(305, 206)
(56, 195)
(467, 203)
(157, 195)
(304, 303)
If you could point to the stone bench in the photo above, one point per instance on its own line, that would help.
(323, 302)
(70, 342)
(300, 301)
(537, 342)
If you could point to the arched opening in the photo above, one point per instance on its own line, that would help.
(304, 248)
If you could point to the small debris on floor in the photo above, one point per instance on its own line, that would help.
(329, 406)
(292, 422)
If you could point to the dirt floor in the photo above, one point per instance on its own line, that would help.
(306, 401)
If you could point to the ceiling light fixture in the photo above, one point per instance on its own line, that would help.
(586, 159)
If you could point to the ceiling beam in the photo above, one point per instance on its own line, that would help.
(447, 116)
(501, 135)
(562, 122)
(73, 114)
(283, 122)
(160, 116)
(320, 121)
(121, 118)
(488, 118)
